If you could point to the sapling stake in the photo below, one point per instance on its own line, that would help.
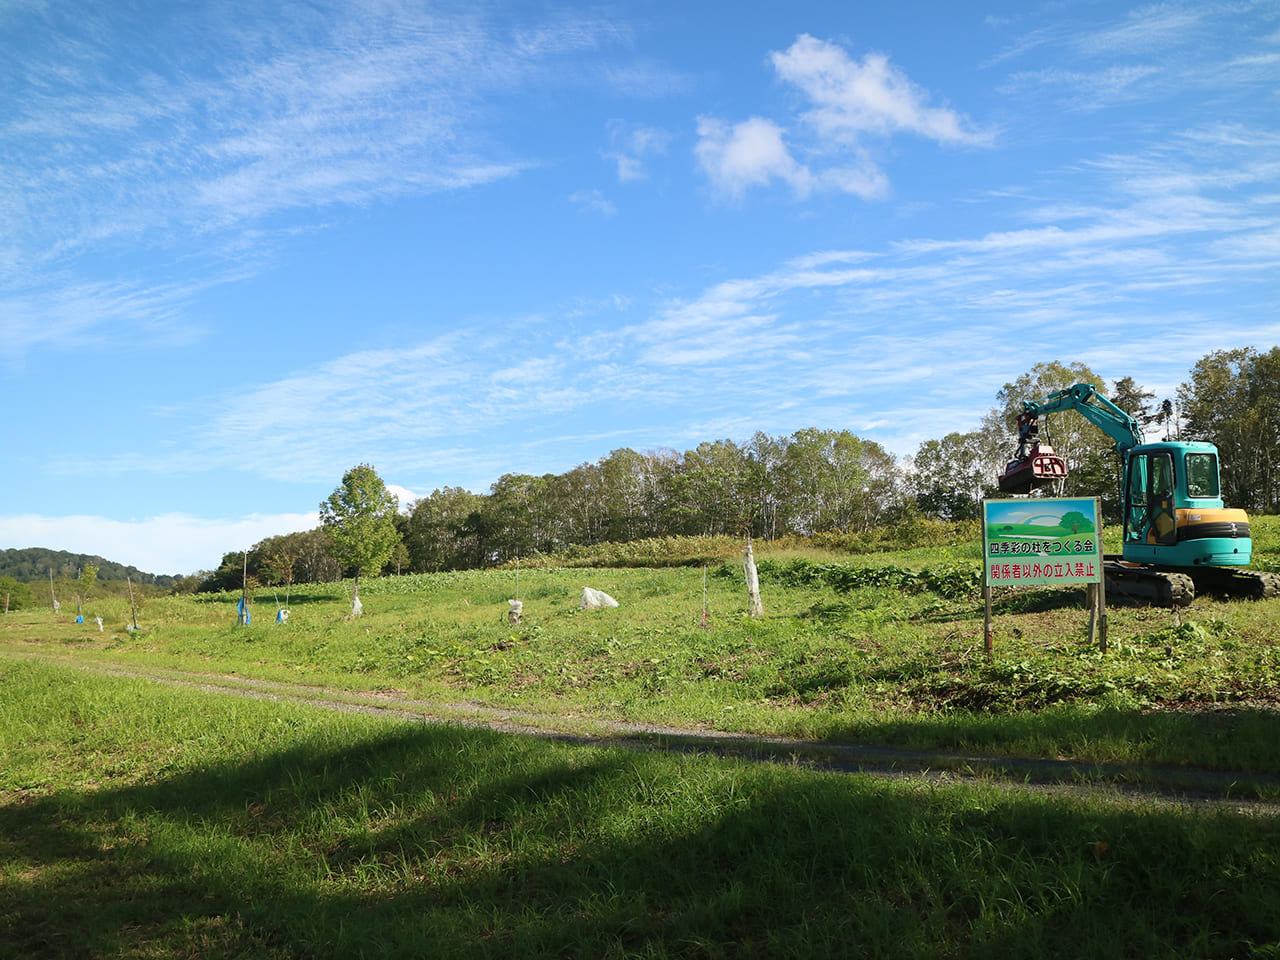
(704, 596)
(244, 589)
(754, 607)
(132, 607)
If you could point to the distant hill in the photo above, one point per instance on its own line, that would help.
(34, 563)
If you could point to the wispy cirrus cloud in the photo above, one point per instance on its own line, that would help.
(593, 201)
(1156, 26)
(237, 134)
(630, 145)
(1087, 90)
(1154, 52)
(414, 401)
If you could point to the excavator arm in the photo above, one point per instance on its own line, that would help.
(1085, 399)
(1035, 464)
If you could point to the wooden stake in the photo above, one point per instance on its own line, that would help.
(244, 590)
(1091, 601)
(132, 607)
(704, 596)
(1102, 617)
(990, 640)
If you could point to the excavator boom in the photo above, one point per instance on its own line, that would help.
(1085, 400)
(1036, 465)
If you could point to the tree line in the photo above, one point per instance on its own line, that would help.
(29, 564)
(810, 482)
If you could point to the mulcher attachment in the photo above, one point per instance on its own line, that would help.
(1035, 465)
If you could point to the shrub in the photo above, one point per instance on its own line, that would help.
(15, 595)
(951, 579)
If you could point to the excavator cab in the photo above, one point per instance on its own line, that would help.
(1173, 510)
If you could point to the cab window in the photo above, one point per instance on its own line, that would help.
(1161, 476)
(1202, 475)
(1138, 480)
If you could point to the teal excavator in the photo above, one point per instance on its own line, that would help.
(1178, 536)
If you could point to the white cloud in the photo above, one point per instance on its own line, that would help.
(630, 145)
(852, 99)
(404, 495)
(854, 103)
(748, 154)
(593, 201)
(169, 544)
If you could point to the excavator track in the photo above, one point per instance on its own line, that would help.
(1147, 584)
(1168, 587)
(1230, 582)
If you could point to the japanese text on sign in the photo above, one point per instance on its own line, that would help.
(1005, 547)
(1013, 572)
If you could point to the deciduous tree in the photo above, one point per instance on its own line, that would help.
(17, 595)
(435, 535)
(1233, 400)
(360, 517)
(949, 477)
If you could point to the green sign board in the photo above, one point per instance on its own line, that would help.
(1037, 542)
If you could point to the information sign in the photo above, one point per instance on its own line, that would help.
(1054, 541)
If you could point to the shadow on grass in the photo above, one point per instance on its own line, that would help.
(1238, 745)
(431, 842)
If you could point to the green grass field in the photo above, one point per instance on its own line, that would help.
(858, 649)
(145, 821)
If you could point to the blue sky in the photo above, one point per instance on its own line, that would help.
(246, 246)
